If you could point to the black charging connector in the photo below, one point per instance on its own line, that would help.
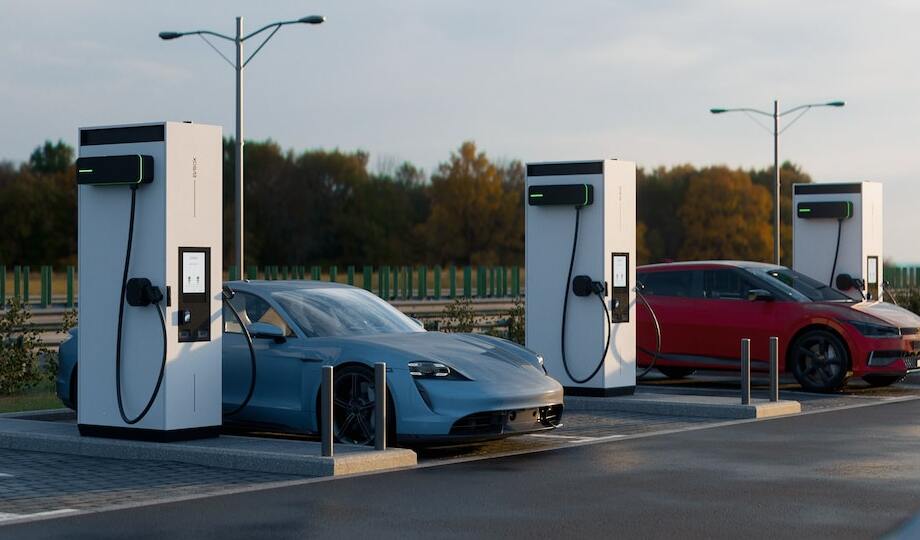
(139, 292)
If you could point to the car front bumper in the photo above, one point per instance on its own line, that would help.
(454, 411)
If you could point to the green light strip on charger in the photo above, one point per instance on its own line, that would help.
(536, 195)
(85, 171)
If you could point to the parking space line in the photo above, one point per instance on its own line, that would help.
(7, 517)
(548, 436)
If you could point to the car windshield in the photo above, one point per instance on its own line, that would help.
(810, 288)
(343, 312)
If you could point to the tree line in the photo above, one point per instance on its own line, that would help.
(328, 207)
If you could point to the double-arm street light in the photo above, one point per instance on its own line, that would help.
(238, 66)
(776, 115)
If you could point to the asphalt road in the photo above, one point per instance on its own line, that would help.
(852, 473)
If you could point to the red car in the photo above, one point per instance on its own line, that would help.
(705, 308)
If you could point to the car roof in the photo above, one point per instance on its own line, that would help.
(272, 286)
(691, 265)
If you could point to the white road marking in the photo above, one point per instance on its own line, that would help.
(49, 513)
(548, 436)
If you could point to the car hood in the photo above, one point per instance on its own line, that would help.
(890, 313)
(474, 356)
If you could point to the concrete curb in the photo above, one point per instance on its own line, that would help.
(685, 405)
(231, 452)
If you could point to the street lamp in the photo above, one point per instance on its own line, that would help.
(238, 66)
(776, 115)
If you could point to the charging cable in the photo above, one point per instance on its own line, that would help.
(228, 295)
(639, 288)
(140, 293)
(830, 283)
(586, 287)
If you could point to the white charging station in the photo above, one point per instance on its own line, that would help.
(153, 193)
(575, 294)
(837, 229)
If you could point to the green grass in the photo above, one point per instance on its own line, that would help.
(39, 397)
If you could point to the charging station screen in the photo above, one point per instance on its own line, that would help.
(619, 271)
(193, 272)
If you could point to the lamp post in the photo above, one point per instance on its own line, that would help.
(238, 66)
(776, 115)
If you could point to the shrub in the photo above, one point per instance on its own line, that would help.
(516, 322)
(20, 350)
(458, 316)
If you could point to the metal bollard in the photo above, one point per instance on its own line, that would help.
(380, 406)
(326, 412)
(745, 371)
(774, 369)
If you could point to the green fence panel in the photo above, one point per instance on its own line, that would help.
(480, 282)
(467, 282)
(368, 274)
(437, 282)
(394, 279)
(43, 286)
(50, 286)
(231, 273)
(452, 279)
(350, 274)
(333, 273)
(70, 286)
(383, 282)
(2, 285)
(316, 273)
(493, 282)
(26, 271)
(407, 284)
(516, 281)
(17, 282)
(252, 272)
(422, 282)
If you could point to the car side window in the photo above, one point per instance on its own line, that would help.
(726, 284)
(677, 283)
(252, 309)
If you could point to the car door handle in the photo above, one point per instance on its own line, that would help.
(311, 360)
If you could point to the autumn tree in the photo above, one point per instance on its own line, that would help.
(725, 216)
(476, 210)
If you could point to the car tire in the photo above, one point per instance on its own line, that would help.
(676, 372)
(882, 380)
(820, 361)
(353, 407)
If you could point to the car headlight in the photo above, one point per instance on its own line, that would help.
(425, 369)
(875, 330)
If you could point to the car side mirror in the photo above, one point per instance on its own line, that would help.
(844, 282)
(418, 322)
(261, 330)
(760, 295)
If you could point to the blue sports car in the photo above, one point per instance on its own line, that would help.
(443, 388)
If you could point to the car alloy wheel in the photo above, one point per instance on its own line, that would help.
(354, 397)
(820, 361)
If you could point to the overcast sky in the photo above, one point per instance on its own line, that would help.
(526, 79)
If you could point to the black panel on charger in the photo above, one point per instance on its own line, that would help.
(115, 170)
(561, 194)
(825, 210)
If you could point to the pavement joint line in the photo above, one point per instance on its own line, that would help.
(317, 480)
